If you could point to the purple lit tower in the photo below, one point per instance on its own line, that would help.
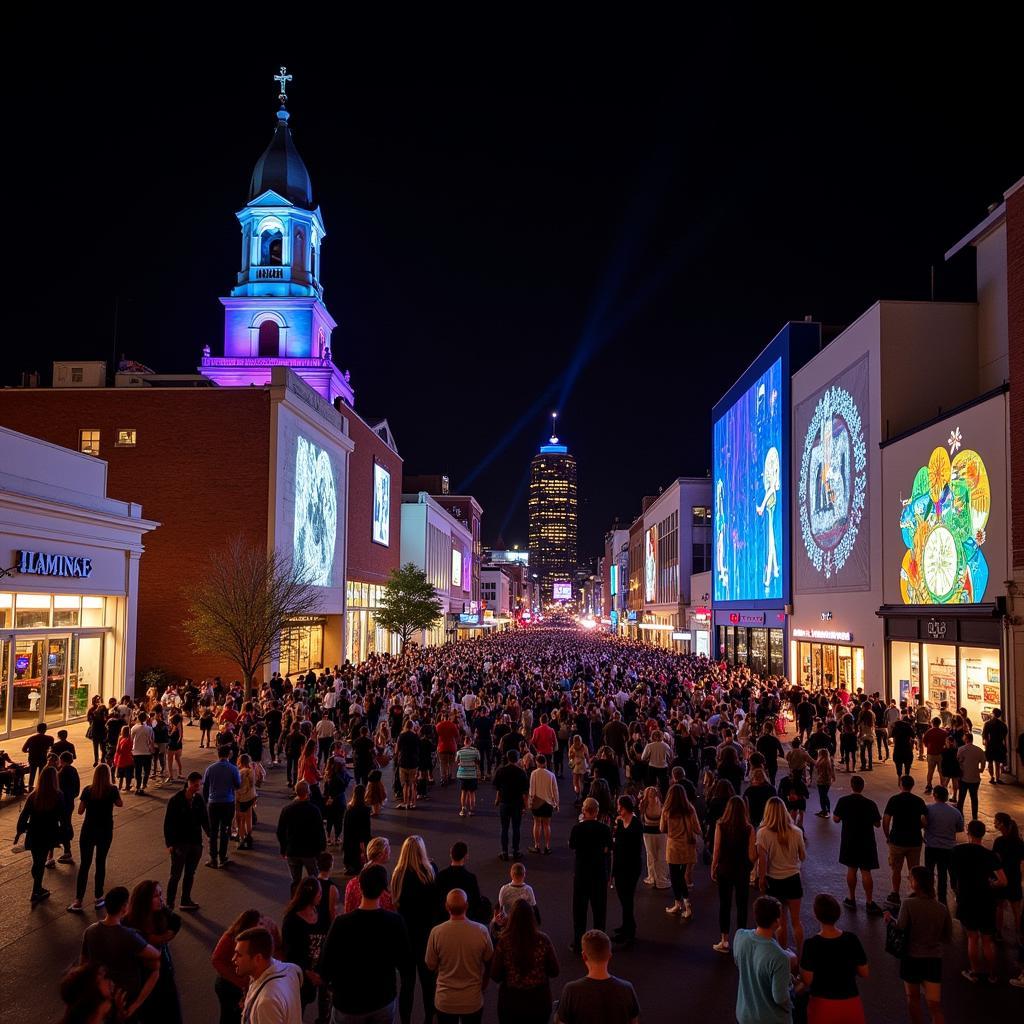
(275, 315)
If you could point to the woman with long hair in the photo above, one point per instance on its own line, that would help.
(89, 996)
(414, 891)
(175, 742)
(729, 768)
(356, 831)
(757, 795)
(309, 771)
(731, 864)
(780, 851)
(681, 827)
(336, 783)
(43, 823)
(97, 802)
(603, 795)
(655, 841)
(245, 800)
(524, 962)
(579, 759)
(866, 738)
(158, 925)
(124, 760)
(1010, 850)
(229, 985)
(300, 936)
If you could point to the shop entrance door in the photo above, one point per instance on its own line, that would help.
(56, 678)
(85, 680)
(29, 676)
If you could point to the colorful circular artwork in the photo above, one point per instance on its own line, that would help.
(943, 526)
(833, 481)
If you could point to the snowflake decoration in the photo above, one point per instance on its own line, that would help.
(955, 440)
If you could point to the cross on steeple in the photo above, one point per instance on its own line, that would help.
(284, 78)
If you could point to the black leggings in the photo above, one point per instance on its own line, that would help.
(727, 887)
(88, 844)
(98, 753)
(39, 859)
(677, 876)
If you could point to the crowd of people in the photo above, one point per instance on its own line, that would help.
(673, 764)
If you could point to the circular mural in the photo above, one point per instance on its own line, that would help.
(833, 481)
(943, 527)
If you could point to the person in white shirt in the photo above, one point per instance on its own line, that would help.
(657, 755)
(543, 804)
(143, 745)
(274, 992)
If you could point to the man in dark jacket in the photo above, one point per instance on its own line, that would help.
(185, 821)
(37, 747)
(70, 786)
(300, 834)
(458, 876)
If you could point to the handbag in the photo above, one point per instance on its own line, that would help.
(897, 940)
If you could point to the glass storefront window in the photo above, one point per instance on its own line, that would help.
(777, 661)
(56, 675)
(981, 683)
(6, 611)
(741, 646)
(67, 610)
(27, 691)
(94, 611)
(31, 611)
(759, 650)
(858, 666)
(904, 673)
(939, 674)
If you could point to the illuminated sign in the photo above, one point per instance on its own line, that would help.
(822, 634)
(40, 564)
(614, 617)
(316, 514)
(681, 635)
(456, 567)
(751, 507)
(468, 619)
(562, 591)
(651, 564)
(613, 580)
(381, 505)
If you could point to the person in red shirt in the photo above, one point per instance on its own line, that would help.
(934, 741)
(447, 744)
(544, 738)
(228, 716)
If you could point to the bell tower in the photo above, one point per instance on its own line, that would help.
(275, 314)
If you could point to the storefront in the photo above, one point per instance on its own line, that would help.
(826, 659)
(755, 640)
(302, 645)
(365, 637)
(68, 585)
(953, 657)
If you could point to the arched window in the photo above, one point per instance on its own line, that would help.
(299, 252)
(270, 339)
(270, 248)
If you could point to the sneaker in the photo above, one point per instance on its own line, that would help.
(189, 905)
(873, 908)
(721, 947)
(517, 854)
(76, 908)
(401, 807)
(927, 789)
(970, 976)
(547, 850)
(674, 909)
(225, 861)
(100, 903)
(850, 903)
(462, 812)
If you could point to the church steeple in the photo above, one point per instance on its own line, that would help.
(275, 314)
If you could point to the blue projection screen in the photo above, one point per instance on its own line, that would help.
(751, 503)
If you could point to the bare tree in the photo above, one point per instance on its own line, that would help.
(244, 601)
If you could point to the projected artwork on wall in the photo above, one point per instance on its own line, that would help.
(651, 564)
(456, 567)
(943, 526)
(833, 479)
(316, 514)
(750, 505)
(381, 505)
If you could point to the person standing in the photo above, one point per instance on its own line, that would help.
(942, 824)
(858, 851)
(971, 759)
(143, 748)
(735, 854)
(830, 965)
(458, 951)
(824, 772)
(524, 961)
(414, 891)
(627, 865)
(149, 916)
(600, 996)
(591, 841)
(780, 852)
(97, 803)
(976, 875)
(993, 737)
(42, 821)
(273, 995)
(680, 824)
(512, 786)
(763, 995)
(185, 821)
(362, 954)
(407, 757)
(467, 772)
(458, 876)
(655, 841)
(357, 831)
(1009, 848)
(903, 820)
(300, 834)
(301, 937)
(934, 741)
(447, 744)
(220, 783)
(543, 796)
(37, 746)
(903, 736)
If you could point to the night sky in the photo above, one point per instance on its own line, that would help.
(520, 218)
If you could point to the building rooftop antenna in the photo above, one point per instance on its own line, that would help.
(554, 434)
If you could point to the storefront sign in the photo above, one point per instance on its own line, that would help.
(822, 634)
(681, 635)
(42, 564)
(751, 618)
(936, 629)
(826, 616)
(468, 619)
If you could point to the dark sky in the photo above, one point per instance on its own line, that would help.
(612, 222)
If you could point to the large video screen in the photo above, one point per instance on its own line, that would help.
(381, 505)
(456, 567)
(316, 514)
(751, 506)
(651, 564)
(562, 591)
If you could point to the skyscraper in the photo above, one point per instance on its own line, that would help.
(553, 519)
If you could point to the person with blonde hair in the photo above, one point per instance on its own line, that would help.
(416, 898)
(378, 851)
(780, 851)
(680, 824)
(655, 841)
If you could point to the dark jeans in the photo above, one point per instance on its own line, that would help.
(510, 814)
(273, 739)
(867, 749)
(296, 866)
(727, 887)
(677, 876)
(230, 999)
(882, 740)
(291, 769)
(965, 788)
(39, 859)
(939, 859)
(625, 889)
(143, 764)
(592, 891)
(460, 1018)
(97, 749)
(823, 800)
(903, 760)
(221, 816)
(183, 859)
(88, 844)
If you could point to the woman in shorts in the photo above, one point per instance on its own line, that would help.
(245, 799)
(467, 771)
(780, 852)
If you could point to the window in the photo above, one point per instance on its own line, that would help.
(77, 375)
(89, 442)
(701, 515)
(269, 339)
(270, 248)
(702, 556)
(125, 437)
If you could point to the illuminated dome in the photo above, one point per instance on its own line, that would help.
(281, 169)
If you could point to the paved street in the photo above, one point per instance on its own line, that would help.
(671, 961)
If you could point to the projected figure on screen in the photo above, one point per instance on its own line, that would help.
(768, 503)
(723, 572)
